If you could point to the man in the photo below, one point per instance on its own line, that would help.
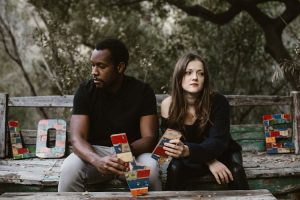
(109, 103)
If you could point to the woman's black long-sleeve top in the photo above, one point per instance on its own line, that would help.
(215, 141)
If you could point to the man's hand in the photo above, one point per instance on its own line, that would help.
(176, 149)
(221, 173)
(110, 165)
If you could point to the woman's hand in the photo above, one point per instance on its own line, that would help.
(176, 149)
(221, 173)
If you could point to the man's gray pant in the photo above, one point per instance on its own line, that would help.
(76, 174)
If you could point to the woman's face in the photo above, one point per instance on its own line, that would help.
(193, 79)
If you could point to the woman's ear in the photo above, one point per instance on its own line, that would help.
(121, 68)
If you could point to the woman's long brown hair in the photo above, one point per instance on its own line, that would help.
(179, 105)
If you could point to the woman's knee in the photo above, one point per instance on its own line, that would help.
(239, 178)
(175, 167)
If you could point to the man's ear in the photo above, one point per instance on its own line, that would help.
(121, 67)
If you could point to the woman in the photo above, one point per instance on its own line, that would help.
(202, 116)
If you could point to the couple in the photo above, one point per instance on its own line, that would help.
(112, 102)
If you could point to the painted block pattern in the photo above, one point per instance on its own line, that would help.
(137, 176)
(17, 147)
(59, 149)
(158, 152)
(278, 133)
(121, 146)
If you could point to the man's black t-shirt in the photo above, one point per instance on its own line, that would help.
(114, 113)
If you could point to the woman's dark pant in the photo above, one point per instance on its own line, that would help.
(178, 172)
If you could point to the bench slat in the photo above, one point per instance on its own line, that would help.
(203, 195)
(67, 101)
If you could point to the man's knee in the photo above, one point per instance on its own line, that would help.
(72, 174)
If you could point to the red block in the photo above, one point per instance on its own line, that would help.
(23, 150)
(267, 117)
(119, 138)
(269, 145)
(144, 173)
(13, 124)
(286, 116)
(160, 151)
(277, 145)
(274, 133)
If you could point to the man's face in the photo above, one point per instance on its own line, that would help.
(104, 73)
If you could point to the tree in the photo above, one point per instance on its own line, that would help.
(156, 33)
(271, 27)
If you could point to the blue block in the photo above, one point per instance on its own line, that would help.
(155, 157)
(138, 183)
(288, 145)
(267, 134)
(272, 150)
(118, 148)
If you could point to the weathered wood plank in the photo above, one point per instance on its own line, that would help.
(67, 101)
(3, 114)
(168, 195)
(41, 101)
(296, 119)
(44, 172)
(258, 100)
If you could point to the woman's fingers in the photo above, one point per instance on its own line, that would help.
(217, 178)
(229, 174)
(172, 149)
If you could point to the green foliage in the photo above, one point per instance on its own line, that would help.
(156, 34)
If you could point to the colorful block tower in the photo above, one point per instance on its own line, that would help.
(137, 176)
(159, 153)
(278, 133)
(18, 149)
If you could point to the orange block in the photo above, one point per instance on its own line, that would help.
(138, 191)
(270, 140)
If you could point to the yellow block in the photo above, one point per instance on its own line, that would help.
(270, 140)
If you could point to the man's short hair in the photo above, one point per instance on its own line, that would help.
(118, 50)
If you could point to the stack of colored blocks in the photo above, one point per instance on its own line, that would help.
(137, 176)
(121, 146)
(138, 179)
(159, 153)
(278, 133)
(18, 149)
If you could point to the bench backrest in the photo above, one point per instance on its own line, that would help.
(245, 135)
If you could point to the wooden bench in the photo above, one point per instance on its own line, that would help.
(278, 173)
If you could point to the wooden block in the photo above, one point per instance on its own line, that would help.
(18, 149)
(278, 133)
(58, 151)
(138, 191)
(158, 152)
(121, 146)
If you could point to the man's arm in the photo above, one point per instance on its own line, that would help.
(79, 133)
(149, 135)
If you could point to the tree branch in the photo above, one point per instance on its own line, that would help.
(200, 11)
(291, 12)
